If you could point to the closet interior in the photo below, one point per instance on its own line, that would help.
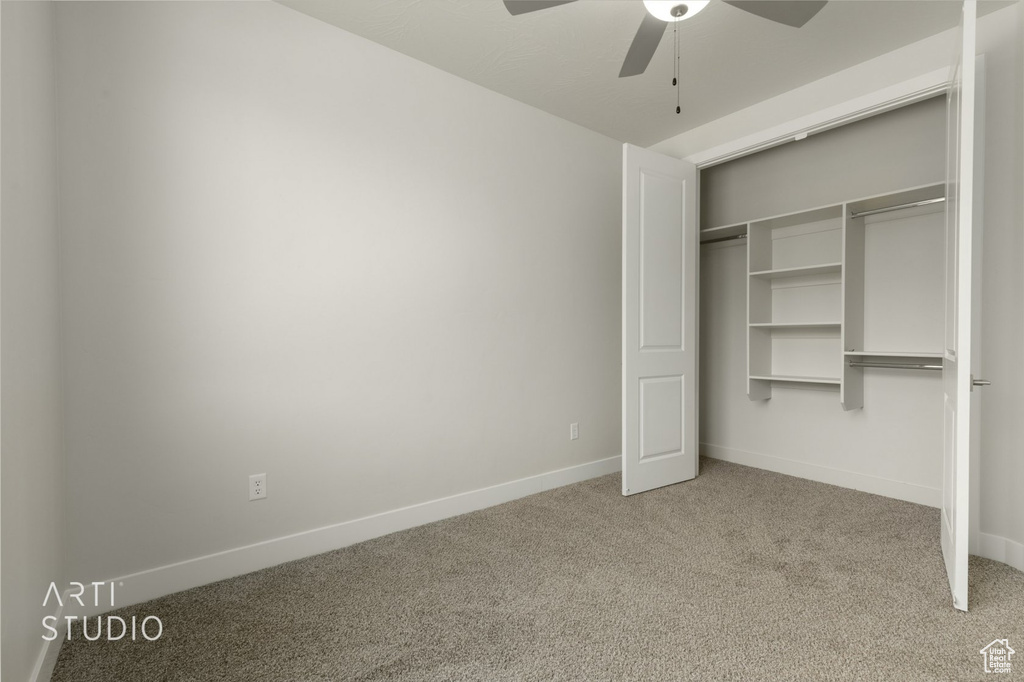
(822, 323)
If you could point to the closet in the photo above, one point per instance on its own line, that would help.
(822, 306)
(835, 275)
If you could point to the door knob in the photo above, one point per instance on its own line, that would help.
(979, 382)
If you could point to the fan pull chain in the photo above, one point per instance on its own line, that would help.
(678, 75)
(675, 54)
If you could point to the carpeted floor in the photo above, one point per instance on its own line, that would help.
(740, 574)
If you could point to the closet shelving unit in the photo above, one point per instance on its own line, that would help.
(835, 290)
(894, 288)
(794, 320)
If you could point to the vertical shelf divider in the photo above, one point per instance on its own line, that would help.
(759, 343)
(851, 390)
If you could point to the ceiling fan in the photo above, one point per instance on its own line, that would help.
(660, 13)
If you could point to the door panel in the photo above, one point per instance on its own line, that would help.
(661, 262)
(661, 417)
(956, 365)
(659, 308)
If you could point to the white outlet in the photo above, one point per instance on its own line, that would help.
(574, 431)
(257, 487)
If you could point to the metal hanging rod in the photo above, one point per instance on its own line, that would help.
(912, 204)
(724, 239)
(894, 365)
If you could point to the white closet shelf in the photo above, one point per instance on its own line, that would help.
(893, 354)
(723, 232)
(822, 269)
(795, 325)
(797, 379)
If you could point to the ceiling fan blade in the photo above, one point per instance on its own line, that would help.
(644, 44)
(516, 7)
(793, 13)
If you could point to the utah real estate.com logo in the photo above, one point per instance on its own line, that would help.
(997, 656)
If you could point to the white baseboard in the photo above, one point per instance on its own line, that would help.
(158, 582)
(1001, 549)
(164, 580)
(42, 671)
(931, 497)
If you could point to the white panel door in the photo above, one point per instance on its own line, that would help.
(956, 364)
(659, 320)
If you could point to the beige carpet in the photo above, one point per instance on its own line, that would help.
(739, 575)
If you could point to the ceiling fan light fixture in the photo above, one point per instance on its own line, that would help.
(674, 10)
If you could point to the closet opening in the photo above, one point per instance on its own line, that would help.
(822, 288)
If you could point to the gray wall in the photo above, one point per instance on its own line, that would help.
(1001, 40)
(901, 148)
(291, 250)
(30, 402)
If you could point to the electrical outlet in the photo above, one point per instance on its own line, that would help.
(574, 431)
(257, 487)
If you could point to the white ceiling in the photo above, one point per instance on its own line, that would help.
(565, 60)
